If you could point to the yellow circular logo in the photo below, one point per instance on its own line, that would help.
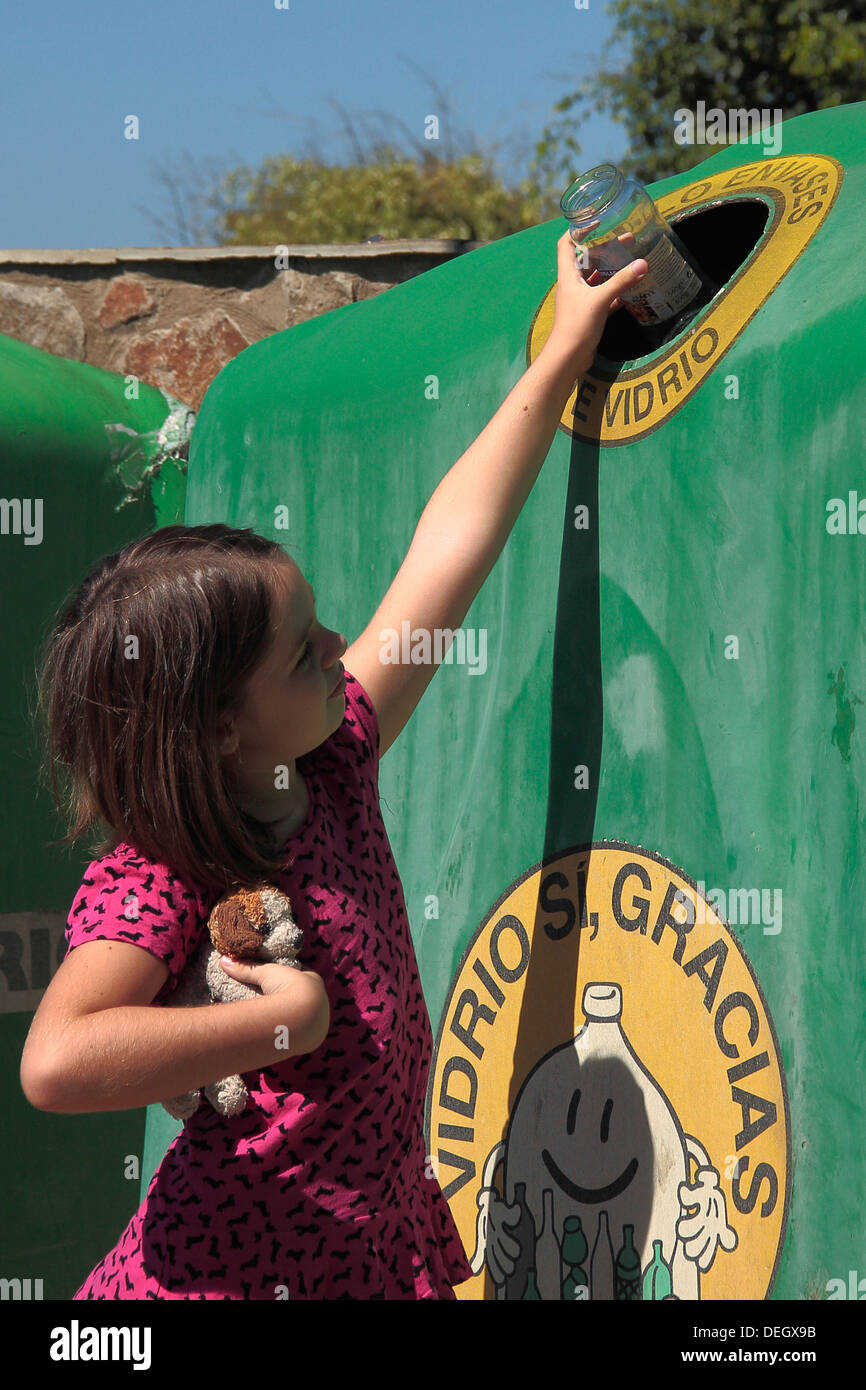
(608, 1115)
(611, 407)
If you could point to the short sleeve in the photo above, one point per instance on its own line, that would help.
(362, 721)
(127, 897)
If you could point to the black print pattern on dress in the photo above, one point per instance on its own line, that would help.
(318, 1189)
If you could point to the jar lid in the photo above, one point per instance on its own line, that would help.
(591, 193)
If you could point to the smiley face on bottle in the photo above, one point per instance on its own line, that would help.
(591, 1157)
(580, 1124)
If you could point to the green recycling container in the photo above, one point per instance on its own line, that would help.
(88, 461)
(626, 812)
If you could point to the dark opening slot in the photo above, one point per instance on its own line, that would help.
(720, 239)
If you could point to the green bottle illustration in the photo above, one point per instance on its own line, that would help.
(575, 1285)
(531, 1287)
(626, 1272)
(657, 1276)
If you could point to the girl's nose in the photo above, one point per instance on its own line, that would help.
(337, 646)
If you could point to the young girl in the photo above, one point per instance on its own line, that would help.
(227, 738)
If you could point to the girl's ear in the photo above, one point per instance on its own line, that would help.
(227, 737)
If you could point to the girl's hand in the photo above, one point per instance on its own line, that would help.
(269, 977)
(583, 302)
(305, 1013)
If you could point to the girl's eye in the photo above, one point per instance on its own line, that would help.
(305, 655)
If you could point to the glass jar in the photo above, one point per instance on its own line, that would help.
(614, 221)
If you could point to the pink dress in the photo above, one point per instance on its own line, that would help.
(321, 1188)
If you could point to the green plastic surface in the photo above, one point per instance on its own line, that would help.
(71, 439)
(607, 647)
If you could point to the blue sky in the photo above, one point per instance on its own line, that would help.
(237, 80)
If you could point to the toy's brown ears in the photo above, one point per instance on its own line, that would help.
(237, 922)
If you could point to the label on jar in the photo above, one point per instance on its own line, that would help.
(668, 286)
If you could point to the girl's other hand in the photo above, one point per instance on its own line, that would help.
(269, 977)
(583, 302)
(306, 1011)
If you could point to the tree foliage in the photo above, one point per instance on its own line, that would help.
(289, 200)
(787, 55)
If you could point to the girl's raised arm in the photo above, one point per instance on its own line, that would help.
(469, 517)
(96, 1042)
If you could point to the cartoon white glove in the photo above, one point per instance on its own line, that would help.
(493, 1244)
(704, 1227)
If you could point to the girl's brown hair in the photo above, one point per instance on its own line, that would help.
(151, 652)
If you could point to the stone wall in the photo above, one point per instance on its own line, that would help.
(175, 317)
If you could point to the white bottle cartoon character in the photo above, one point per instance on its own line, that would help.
(592, 1135)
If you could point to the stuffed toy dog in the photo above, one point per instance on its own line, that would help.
(249, 925)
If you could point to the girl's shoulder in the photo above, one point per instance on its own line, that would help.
(358, 735)
(125, 896)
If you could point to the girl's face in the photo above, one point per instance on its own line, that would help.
(291, 704)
